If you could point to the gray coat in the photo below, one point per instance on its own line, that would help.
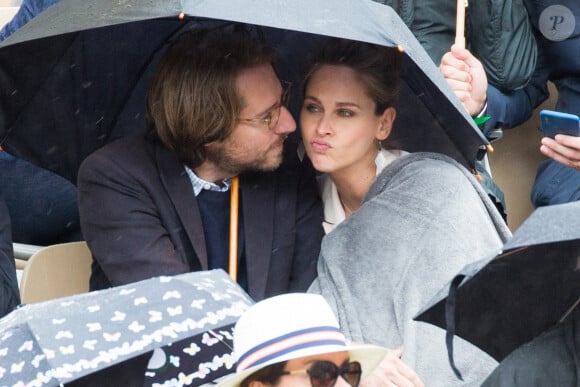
(552, 359)
(424, 218)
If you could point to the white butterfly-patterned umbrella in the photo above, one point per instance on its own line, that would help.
(62, 340)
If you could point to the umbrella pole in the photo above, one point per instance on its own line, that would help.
(460, 23)
(234, 208)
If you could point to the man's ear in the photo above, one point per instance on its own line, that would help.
(386, 123)
(210, 145)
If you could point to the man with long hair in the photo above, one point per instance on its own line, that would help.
(159, 203)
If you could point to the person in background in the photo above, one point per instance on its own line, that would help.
(9, 293)
(27, 10)
(551, 359)
(42, 205)
(497, 31)
(295, 340)
(400, 226)
(557, 29)
(159, 203)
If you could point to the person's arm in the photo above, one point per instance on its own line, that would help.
(465, 74)
(28, 10)
(563, 149)
(444, 243)
(392, 371)
(122, 223)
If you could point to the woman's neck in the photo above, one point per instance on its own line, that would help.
(353, 184)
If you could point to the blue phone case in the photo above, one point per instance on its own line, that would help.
(553, 123)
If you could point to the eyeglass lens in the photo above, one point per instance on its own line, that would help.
(325, 373)
(283, 102)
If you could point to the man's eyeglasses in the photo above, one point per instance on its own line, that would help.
(271, 117)
(325, 373)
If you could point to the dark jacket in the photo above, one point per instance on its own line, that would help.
(9, 294)
(557, 27)
(140, 219)
(498, 33)
(558, 62)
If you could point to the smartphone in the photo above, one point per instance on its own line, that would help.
(553, 123)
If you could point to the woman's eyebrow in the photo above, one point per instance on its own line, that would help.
(312, 98)
(346, 104)
(340, 104)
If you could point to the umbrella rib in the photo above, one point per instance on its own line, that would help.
(570, 310)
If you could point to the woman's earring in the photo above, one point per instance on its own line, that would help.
(380, 144)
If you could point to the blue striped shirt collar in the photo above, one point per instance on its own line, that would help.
(199, 184)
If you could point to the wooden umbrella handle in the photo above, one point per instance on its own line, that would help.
(234, 210)
(460, 23)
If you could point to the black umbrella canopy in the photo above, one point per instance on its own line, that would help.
(75, 76)
(531, 285)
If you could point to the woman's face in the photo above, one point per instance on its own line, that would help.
(339, 126)
(298, 367)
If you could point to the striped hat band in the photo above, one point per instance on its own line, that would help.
(307, 338)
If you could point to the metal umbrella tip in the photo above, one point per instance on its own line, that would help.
(489, 148)
(181, 16)
(400, 48)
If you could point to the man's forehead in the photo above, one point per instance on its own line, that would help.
(263, 73)
(258, 85)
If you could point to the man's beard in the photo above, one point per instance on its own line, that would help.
(229, 162)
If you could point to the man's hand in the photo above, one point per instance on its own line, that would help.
(563, 149)
(392, 372)
(466, 76)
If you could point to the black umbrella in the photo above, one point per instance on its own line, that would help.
(502, 303)
(74, 77)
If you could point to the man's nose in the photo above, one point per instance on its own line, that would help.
(286, 123)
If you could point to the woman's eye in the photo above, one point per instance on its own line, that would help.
(312, 108)
(345, 113)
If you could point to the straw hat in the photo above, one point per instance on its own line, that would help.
(292, 326)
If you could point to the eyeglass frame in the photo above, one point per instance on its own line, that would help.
(270, 122)
(340, 371)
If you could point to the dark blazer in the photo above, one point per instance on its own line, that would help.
(9, 294)
(140, 219)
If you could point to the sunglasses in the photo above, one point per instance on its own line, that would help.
(325, 373)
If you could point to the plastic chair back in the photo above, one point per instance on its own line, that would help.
(56, 271)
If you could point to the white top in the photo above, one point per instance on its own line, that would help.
(333, 210)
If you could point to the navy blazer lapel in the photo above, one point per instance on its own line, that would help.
(180, 191)
(258, 210)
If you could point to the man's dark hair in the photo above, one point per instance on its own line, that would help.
(192, 99)
(378, 67)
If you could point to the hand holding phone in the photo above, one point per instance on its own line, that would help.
(553, 123)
